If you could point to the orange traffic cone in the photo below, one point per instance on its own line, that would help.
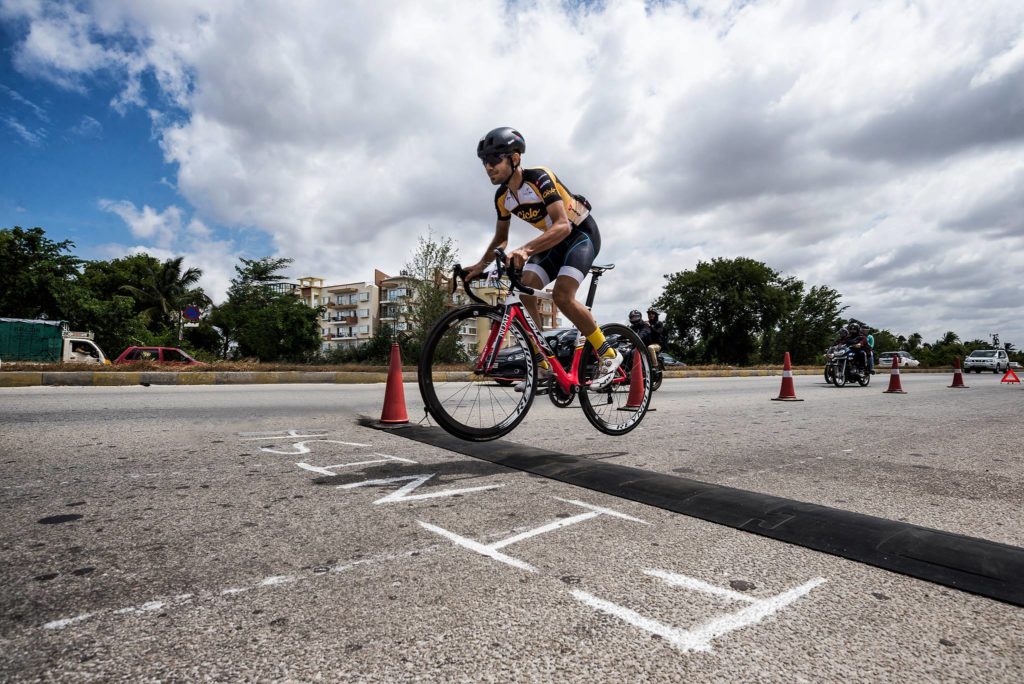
(895, 386)
(394, 393)
(636, 385)
(958, 377)
(1010, 377)
(787, 392)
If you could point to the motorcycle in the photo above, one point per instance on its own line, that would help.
(841, 367)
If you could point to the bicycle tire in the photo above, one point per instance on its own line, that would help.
(601, 407)
(466, 384)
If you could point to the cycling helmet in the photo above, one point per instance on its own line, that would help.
(652, 310)
(635, 316)
(843, 333)
(502, 140)
(855, 329)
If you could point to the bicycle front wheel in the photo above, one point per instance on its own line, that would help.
(610, 409)
(467, 400)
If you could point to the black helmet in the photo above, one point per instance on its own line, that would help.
(844, 333)
(502, 140)
(635, 316)
(855, 328)
(652, 310)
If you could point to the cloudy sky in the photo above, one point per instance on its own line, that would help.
(875, 146)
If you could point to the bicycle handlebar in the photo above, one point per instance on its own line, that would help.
(503, 269)
(512, 272)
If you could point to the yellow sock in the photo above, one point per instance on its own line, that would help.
(539, 356)
(543, 363)
(596, 338)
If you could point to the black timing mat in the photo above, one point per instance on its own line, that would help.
(966, 563)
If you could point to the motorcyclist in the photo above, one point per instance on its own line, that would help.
(844, 335)
(641, 327)
(859, 343)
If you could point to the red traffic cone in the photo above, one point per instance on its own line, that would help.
(394, 393)
(958, 377)
(895, 386)
(1010, 377)
(787, 392)
(636, 384)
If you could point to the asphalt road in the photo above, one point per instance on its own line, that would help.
(257, 532)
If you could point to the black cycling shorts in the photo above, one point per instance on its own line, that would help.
(572, 257)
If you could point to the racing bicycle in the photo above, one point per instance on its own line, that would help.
(462, 397)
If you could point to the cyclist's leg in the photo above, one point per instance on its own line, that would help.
(582, 248)
(654, 349)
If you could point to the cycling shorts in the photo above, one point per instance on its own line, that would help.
(572, 257)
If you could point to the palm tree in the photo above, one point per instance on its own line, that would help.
(914, 341)
(167, 289)
(949, 339)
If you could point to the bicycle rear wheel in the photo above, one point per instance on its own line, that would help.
(608, 409)
(460, 395)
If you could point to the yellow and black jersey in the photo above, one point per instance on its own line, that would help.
(540, 188)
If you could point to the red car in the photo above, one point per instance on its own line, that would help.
(156, 355)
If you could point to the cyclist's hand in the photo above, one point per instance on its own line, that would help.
(475, 270)
(518, 257)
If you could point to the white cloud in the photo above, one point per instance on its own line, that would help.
(88, 127)
(855, 144)
(34, 138)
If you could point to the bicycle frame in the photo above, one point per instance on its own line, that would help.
(515, 311)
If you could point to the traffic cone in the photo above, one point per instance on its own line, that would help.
(895, 386)
(636, 385)
(394, 393)
(787, 392)
(1010, 377)
(958, 377)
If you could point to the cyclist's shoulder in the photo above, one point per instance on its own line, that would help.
(535, 174)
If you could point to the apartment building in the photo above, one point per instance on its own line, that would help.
(396, 296)
(350, 314)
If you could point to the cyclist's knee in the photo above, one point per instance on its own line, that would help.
(564, 292)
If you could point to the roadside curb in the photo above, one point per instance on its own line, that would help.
(117, 379)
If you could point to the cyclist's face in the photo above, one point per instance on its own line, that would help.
(498, 168)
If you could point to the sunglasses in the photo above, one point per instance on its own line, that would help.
(493, 159)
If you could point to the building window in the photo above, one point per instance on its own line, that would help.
(364, 296)
(402, 326)
(364, 328)
(363, 313)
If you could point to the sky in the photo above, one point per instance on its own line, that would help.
(873, 147)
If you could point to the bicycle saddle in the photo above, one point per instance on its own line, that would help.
(598, 270)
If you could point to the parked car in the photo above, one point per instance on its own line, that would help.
(906, 360)
(169, 355)
(671, 361)
(995, 360)
(1015, 366)
(510, 365)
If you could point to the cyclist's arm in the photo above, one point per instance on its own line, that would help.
(554, 235)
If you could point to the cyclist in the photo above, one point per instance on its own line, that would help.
(658, 338)
(563, 253)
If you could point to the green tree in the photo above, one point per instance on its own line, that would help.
(106, 279)
(264, 321)
(811, 326)
(431, 267)
(914, 342)
(165, 290)
(35, 273)
(727, 310)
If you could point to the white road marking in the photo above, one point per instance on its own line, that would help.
(699, 638)
(695, 584)
(279, 434)
(326, 470)
(301, 448)
(267, 582)
(491, 550)
(414, 482)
